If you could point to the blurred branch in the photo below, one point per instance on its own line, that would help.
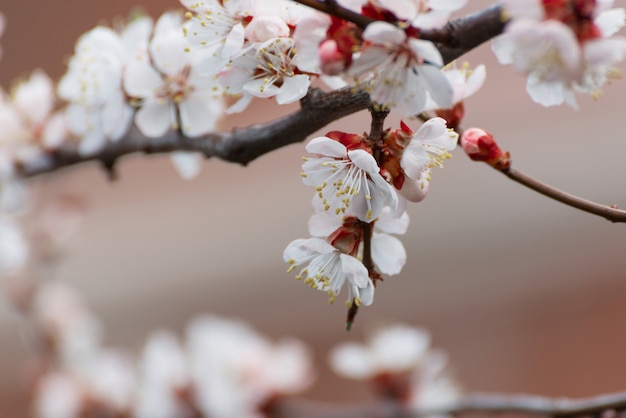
(318, 109)
(610, 213)
(605, 406)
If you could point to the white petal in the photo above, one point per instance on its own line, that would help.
(392, 223)
(322, 224)
(610, 21)
(366, 295)
(325, 146)
(438, 85)
(188, 164)
(234, 41)
(141, 79)
(388, 254)
(384, 33)
(170, 52)
(355, 271)
(154, 118)
(414, 190)
(364, 160)
(199, 115)
(293, 88)
(351, 360)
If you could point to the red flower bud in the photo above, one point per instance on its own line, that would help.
(479, 145)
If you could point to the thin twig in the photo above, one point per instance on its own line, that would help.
(485, 404)
(608, 212)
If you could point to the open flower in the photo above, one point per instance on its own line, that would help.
(328, 269)
(168, 87)
(563, 47)
(97, 110)
(409, 157)
(400, 70)
(388, 253)
(216, 28)
(397, 349)
(265, 69)
(348, 182)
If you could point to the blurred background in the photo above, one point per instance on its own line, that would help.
(525, 294)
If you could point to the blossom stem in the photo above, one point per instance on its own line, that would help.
(610, 213)
(352, 311)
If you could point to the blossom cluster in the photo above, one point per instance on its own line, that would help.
(403, 367)
(563, 47)
(362, 187)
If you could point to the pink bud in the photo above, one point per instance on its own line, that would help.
(332, 60)
(479, 145)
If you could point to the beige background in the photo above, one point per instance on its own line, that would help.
(525, 294)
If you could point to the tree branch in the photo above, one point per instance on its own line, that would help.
(608, 212)
(334, 9)
(317, 110)
(485, 404)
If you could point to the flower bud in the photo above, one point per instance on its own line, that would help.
(479, 145)
(332, 60)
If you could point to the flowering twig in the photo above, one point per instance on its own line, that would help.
(610, 213)
(456, 38)
(480, 145)
(244, 145)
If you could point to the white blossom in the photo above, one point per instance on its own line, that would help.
(14, 249)
(217, 29)
(97, 110)
(397, 349)
(428, 148)
(348, 182)
(170, 90)
(327, 269)
(400, 70)
(264, 70)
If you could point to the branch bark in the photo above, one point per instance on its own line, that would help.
(241, 146)
(610, 213)
(482, 404)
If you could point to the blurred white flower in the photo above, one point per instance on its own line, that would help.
(163, 375)
(400, 70)
(433, 384)
(397, 349)
(97, 110)
(58, 396)
(168, 87)
(464, 82)
(14, 249)
(563, 49)
(236, 371)
(62, 316)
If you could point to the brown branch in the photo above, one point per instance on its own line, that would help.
(317, 110)
(334, 9)
(239, 146)
(608, 212)
(484, 404)
(459, 36)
